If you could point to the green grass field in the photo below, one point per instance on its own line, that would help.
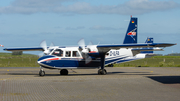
(156, 61)
(28, 60)
(25, 60)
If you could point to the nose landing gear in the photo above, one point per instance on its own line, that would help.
(41, 72)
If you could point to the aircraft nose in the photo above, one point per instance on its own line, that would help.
(41, 59)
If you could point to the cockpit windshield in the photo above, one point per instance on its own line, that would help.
(51, 50)
(58, 52)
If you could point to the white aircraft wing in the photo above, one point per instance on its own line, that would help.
(25, 49)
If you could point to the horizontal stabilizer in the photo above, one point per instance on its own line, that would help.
(137, 51)
(106, 48)
(153, 49)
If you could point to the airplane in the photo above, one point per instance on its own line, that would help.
(94, 56)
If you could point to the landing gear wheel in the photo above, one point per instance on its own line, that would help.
(64, 72)
(41, 73)
(102, 72)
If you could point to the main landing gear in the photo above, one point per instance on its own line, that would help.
(102, 72)
(64, 72)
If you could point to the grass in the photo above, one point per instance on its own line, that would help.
(156, 61)
(28, 60)
(25, 60)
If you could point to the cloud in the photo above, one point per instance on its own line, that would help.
(57, 27)
(103, 28)
(77, 7)
(77, 28)
(32, 6)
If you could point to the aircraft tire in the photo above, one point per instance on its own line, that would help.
(102, 72)
(64, 72)
(41, 73)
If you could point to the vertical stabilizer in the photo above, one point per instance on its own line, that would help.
(131, 34)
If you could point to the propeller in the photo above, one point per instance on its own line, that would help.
(82, 47)
(41, 54)
(51, 45)
(84, 51)
(45, 48)
(90, 43)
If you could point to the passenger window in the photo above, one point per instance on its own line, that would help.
(76, 54)
(58, 52)
(68, 53)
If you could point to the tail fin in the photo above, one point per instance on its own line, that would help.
(131, 34)
(149, 40)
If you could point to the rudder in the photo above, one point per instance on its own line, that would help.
(131, 34)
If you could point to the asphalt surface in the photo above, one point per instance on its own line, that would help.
(120, 84)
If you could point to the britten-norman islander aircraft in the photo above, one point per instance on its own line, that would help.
(94, 56)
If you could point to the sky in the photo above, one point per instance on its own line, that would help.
(26, 23)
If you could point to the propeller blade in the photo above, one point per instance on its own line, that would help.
(81, 43)
(90, 43)
(40, 54)
(84, 51)
(44, 46)
(51, 45)
(88, 59)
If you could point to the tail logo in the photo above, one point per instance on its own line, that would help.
(132, 33)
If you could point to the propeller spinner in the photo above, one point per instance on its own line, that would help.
(85, 51)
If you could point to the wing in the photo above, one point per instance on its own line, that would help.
(25, 49)
(106, 48)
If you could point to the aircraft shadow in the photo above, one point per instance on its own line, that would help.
(77, 74)
(166, 79)
(35, 74)
(130, 73)
(18, 73)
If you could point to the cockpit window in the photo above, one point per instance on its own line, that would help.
(51, 50)
(58, 52)
(76, 54)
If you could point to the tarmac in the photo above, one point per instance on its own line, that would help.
(120, 84)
